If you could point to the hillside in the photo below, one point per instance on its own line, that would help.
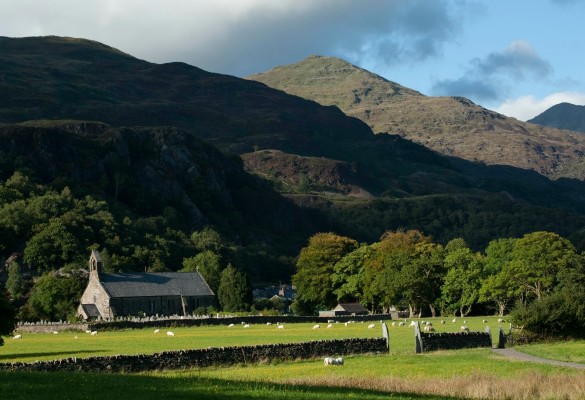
(452, 126)
(171, 142)
(562, 116)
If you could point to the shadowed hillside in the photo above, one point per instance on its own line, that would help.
(562, 116)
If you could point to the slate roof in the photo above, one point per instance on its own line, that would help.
(354, 308)
(91, 310)
(148, 284)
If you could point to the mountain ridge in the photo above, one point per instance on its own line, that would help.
(562, 116)
(452, 126)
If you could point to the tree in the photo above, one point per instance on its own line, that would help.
(314, 269)
(51, 247)
(422, 277)
(460, 290)
(208, 239)
(7, 318)
(15, 285)
(235, 291)
(209, 266)
(385, 280)
(55, 296)
(537, 259)
(348, 276)
(496, 286)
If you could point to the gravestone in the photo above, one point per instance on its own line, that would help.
(386, 334)
(501, 339)
(418, 345)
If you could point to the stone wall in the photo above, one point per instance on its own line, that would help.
(48, 327)
(454, 341)
(215, 356)
(164, 322)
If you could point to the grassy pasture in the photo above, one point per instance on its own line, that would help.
(48, 346)
(475, 373)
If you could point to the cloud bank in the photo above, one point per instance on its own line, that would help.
(487, 79)
(245, 36)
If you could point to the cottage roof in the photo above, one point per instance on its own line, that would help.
(351, 308)
(155, 284)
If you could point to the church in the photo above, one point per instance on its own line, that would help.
(110, 295)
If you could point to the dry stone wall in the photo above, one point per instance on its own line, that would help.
(215, 356)
(454, 341)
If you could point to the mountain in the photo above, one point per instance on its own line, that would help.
(452, 126)
(80, 114)
(562, 116)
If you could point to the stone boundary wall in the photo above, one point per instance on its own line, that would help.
(214, 356)
(454, 341)
(178, 322)
(50, 327)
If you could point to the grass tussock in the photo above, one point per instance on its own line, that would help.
(529, 386)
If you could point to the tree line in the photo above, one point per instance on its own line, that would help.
(406, 269)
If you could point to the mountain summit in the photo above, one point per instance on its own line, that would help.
(453, 126)
(562, 116)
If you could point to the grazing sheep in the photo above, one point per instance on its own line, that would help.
(371, 326)
(333, 361)
(87, 331)
(169, 333)
(55, 332)
(346, 324)
(16, 337)
(464, 321)
(401, 323)
(428, 323)
(269, 323)
(484, 321)
(247, 326)
(280, 326)
(93, 333)
(429, 328)
(329, 326)
(454, 320)
(412, 323)
(501, 320)
(330, 321)
(230, 325)
(316, 326)
(75, 337)
(464, 328)
(157, 331)
(393, 323)
(442, 322)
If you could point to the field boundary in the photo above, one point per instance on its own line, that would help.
(214, 356)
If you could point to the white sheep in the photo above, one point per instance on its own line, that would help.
(93, 333)
(338, 361)
(280, 326)
(484, 321)
(329, 326)
(87, 331)
(230, 325)
(500, 320)
(371, 326)
(55, 332)
(393, 323)
(316, 326)
(16, 337)
(464, 328)
(412, 323)
(269, 323)
(157, 331)
(442, 322)
(333, 361)
(429, 328)
(170, 333)
(428, 323)
(454, 320)
(246, 325)
(346, 323)
(401, 323)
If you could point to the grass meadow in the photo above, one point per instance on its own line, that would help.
(401, 374)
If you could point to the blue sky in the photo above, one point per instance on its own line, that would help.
(518, 57)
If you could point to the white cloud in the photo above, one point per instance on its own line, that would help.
(528, 107)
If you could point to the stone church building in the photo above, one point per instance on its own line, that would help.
(121, 294)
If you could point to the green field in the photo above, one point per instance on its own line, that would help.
(476, 373)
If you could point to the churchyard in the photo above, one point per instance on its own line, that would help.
(472, 373)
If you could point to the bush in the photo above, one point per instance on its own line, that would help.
(555, 315)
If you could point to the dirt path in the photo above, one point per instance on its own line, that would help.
(527, 357)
